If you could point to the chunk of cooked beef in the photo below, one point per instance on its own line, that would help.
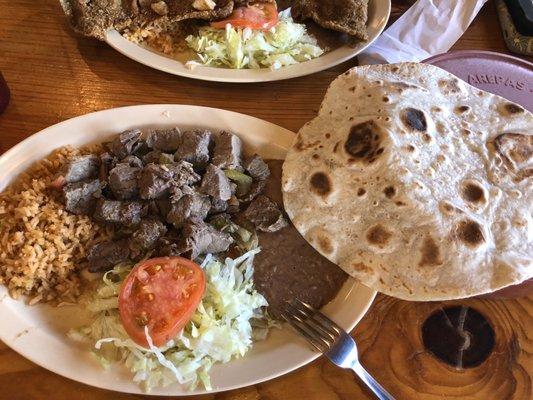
(177, 192)
(166, 140)
(265, 215)
(80, 168)
(233, 188)
(152, 157)
(123, 181)
(215, 183)
(104, 256)
(119, 212)
(234, 205)
(187, 206)
(218, 206)
(228, 151)
(163, 206)
(132, 161)
(256, 189)
(107, 162)
(153, 209)
(194, 148)
(183, 173)
(156, 180)
(221, 221)
(256, 168)
(201, 238)
(122, 146)
(348, 16)
(146, 236)
(168, 245)
(141, 149)
(80, 197)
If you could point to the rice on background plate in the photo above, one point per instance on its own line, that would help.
(42, 246)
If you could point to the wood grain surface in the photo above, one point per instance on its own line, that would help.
(55, 75)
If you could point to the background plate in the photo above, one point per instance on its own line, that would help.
(378, 15)
(504, 75)
(39, 332)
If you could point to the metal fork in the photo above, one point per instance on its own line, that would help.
(331, 340)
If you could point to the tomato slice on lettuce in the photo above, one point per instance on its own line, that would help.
(262, 16)
(161, 294)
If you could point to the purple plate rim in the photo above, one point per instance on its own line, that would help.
(476, 53)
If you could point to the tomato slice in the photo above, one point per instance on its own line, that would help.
(261, 16)
(162, 294)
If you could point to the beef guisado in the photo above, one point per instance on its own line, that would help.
(191, 193)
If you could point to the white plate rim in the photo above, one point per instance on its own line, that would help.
(326, 61)
(12, 327)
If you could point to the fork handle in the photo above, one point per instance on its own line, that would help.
(372, 384)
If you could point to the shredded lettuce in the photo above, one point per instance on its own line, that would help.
(286, 43)
(229, 318)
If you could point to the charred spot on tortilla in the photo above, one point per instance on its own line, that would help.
(426, 137)
(401, 86)
(448, 208)
(449, 86)
(515, 149)
(473, 192)
(385, 99)
(361, 267)
(320, 183)
(363, 142)
(324, 244)
(414, 119)
(378, 236)
(299, 143)
(430, 252)
(512, 108)
(361, 192)
(470, 233)
(441, 128)
(389, 192)
(461, 109)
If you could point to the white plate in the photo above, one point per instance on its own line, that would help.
(378, 15)
(39, 332)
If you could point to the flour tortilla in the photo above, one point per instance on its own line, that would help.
(416, 183)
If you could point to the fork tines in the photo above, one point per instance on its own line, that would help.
(318, 329)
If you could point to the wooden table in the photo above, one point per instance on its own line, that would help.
(55, 75)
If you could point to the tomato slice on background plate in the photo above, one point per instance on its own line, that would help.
(261, 16)
(161, 294)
